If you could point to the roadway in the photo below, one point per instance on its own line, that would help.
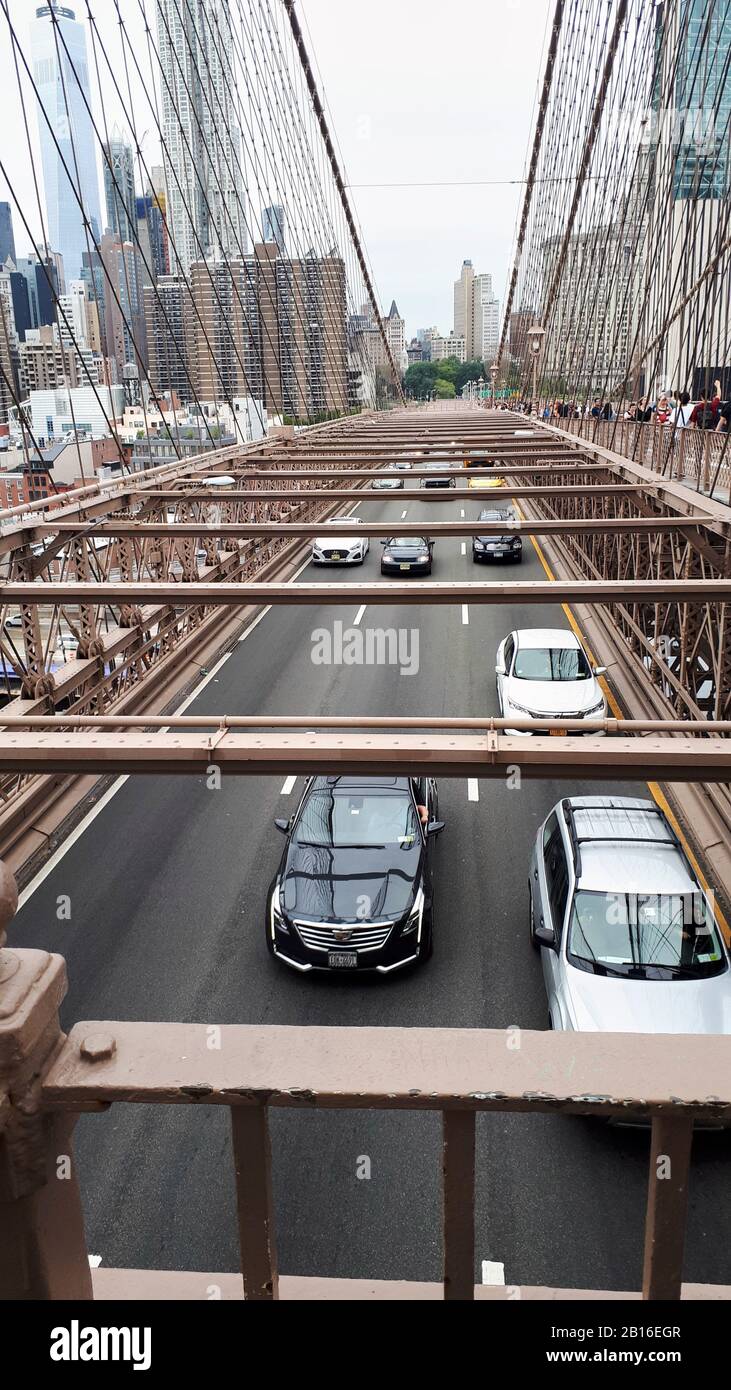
(167, 885)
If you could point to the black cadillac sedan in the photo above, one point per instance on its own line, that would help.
(354, 890)
(407, 555)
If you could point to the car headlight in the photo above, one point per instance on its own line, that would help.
(480, 545)
(520, 709)
(422, 559)
(413, 922)
(517, 543)
(278, 922)
(595, 709)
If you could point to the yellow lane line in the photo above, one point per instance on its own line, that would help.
(653, 788)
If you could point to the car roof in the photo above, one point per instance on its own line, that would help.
(358, 783)
(333, 519)
(626, 845)
(547, 637)
(497, 514)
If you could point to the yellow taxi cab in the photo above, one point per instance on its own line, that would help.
(485, 482)
(477, 458)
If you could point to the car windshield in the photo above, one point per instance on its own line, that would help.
(551, 664)
(402, 542)
(338, 819)
(649, 936)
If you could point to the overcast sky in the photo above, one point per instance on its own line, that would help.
(419, 91)
(423, 90)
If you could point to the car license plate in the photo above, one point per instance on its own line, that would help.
(335, 555)
(342, 960)
(404, 567)
(558, 733)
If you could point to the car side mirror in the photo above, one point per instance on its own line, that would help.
(434, 827)
(282, 825)
(545, 936)
(383, 542)
(599, 670)
(499, 670)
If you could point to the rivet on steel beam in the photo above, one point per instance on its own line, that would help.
(98, 1047)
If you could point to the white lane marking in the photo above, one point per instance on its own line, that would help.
(288, 785)
(462, 513)
(463, 548)
(403, 514)
(473, 789)
(359, 615)
(84, 824)
(493, 1272)
(95, 1261)
(465, 614)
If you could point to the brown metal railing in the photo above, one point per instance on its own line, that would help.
(47, 1079)
(689, 455)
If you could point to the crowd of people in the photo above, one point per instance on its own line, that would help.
(675, 408)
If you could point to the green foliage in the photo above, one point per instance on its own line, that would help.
(424, 378)
(472, 371)
(444, 390)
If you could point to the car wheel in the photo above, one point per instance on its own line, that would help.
(533, 941)
(427, 950)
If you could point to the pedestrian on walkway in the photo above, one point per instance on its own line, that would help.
(705, 414)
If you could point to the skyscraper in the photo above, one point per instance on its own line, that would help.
(119, 187)
(476, 313)
(62, 79)
(486, 320)
(464, 304)
(7, 240)
(273, 223)
(203, 176)
(698, 38)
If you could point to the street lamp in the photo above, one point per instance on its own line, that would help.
(479, 386)
(494, 369)
(536, 334)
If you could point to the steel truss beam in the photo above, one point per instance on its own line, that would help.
(490, 755)
(590, 591)
(630, 525)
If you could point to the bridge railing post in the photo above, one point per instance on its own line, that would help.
(42, 1247)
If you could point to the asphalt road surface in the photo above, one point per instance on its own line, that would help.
(167, 888)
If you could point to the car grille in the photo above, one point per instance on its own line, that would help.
(360, 938)
(341, 553)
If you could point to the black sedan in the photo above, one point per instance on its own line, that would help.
(407, 555)
(439, 478)
(496, 547)
(354, 891)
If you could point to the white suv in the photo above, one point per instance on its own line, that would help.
(339, 548)
(543, 675)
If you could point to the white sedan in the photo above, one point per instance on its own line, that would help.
(544, 675)
(337, 547)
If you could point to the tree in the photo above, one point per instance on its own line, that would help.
(420, 378)
(448, 368)
(471, 371)
(444, 390)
